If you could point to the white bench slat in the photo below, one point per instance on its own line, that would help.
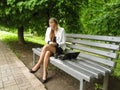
(101, 70)
(97, 59)
(75, 72)
(95, 51)
(96, 73)
(95, 66)
(36, 52)
(39, 49)
(95, 37)
(93, 43)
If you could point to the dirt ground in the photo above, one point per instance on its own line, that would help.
(57, 79)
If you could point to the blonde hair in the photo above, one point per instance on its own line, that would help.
(52, 34)
(54, 20)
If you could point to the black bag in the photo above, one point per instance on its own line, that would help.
(69, 56)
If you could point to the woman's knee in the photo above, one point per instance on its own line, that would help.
(45, 47)
(47, 54)
(49, 48)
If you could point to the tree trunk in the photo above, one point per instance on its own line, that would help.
(21, 35)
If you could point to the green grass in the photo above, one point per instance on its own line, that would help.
(33, 41)
(117, 69)
(9, 37)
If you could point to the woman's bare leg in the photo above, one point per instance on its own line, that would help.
(46, 60)
(44, 49)
(41, 58)
(45, 64)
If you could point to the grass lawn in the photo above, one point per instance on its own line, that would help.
(12, 37)
(33, 41)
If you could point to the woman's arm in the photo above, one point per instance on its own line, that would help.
(47, 34)
(47, 38)
(63, 38)
(53, 43)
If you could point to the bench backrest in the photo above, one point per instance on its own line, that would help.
(97, 49)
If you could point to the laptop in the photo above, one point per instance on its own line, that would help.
(71, 55)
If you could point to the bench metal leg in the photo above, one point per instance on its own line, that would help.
(34, 59)
(105, 83)
(82, 85)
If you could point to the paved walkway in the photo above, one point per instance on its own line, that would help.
(14, 75)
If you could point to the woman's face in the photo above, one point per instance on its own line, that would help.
(52, 24)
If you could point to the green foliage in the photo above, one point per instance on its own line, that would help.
(34, 14)
(69, 15)
(98, 86)
(102, 18)
(117, 69)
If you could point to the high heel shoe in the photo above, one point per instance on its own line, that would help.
(44, 81)
(31, 71)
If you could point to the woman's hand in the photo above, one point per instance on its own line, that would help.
(52, 43)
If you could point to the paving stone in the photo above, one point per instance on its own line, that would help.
(15, 87)
(12, 87)
(19, 63)
(30, 88)
(39, 88)
(1, 84)
(6, 73)
(4, 67)
(19, 81)
(8, 88)
(36, 82)
(0, 76)
(4, 79)
(18, 75)
(24, 86)
(11, 78)
(27, 74)
(9, 83)
(14, 75)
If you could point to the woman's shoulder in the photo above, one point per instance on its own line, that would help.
(48, 28)
(61, 28)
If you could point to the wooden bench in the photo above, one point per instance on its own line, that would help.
(96, 59)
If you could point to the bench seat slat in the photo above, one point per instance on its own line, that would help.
(36, 51)
(102, 68)
(97, 59)
(73, 71)
(96, 44)
(39, 49)
(95, 37)
(95, 72)
(95, 66)
(95, 51)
